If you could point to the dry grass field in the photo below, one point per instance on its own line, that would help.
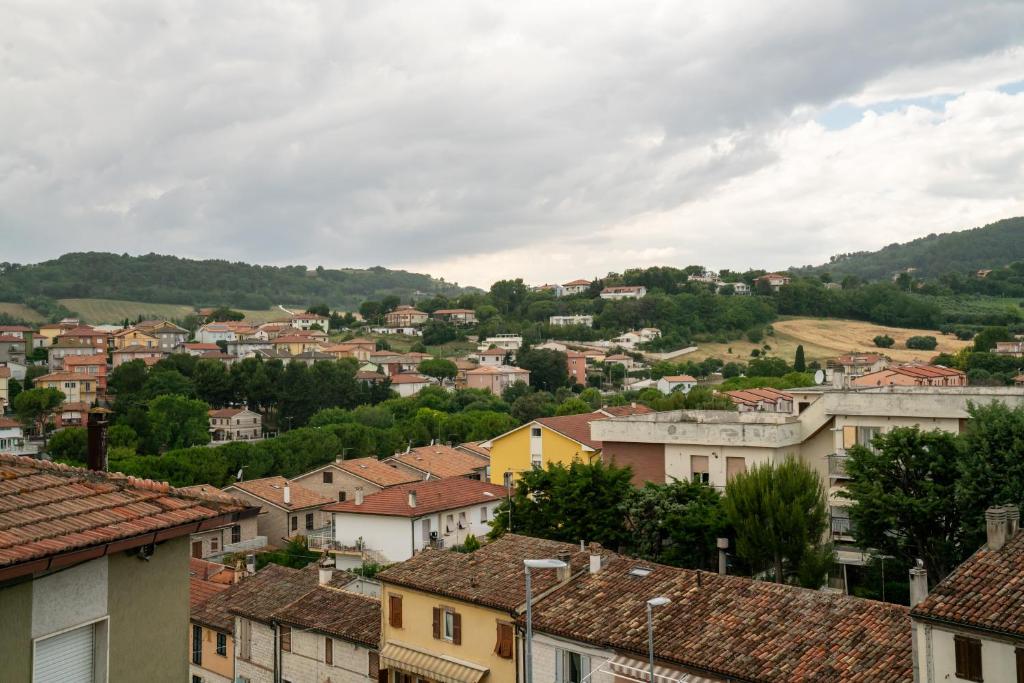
(112, 311)
(824, 338)
(20, 311)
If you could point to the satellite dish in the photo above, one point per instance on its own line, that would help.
(819, 376)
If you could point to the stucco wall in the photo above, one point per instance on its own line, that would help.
(647, 460)
(512, 452)
(937, 660)
(391, 536)
(343, 481)
(16, 638)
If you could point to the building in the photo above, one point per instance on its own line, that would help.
(566, 320)
(410, 383)
(339, 480)
(94, 367)
(708, 277)
(493, 357)
(214, 543)
(306, 321)
(440, 461)
(286, 509)
(624, 292)
(621, 359)
(405, 316)
(670, 383)
(63, 348)
(496, 378)
(459, 316)
(576, 364)
(77, 388)
(970, 628)
(133, 336)
(94, 572)
(211, 333)
(1019, 380)
(294, 344)
(773, 281)
(84, 334)
(211, 654)
(913, 376)
(506, 342)
(857, 364)
(5, 388)
(832, 285)
(13, 348)
(1010, 348)
(12, 438)
(394, 524)
(575, 287)
(235, 424)
(196, 348)
(557, 290)
(149, 356)
(167, 333)
(738, 288)
(765, 399)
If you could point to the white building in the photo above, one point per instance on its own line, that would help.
(738, 288)
(397, 522)
(564, 320)
(624, 292)
(211, 333)
(508, 342)
(12, 438)
(708, 277)
(670, 383)
(305, 321)
(410, 383)
(575, 287)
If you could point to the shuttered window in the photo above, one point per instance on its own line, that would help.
(197, 644)
(286, 638)
(245, 639)
(968, 658)
(1020, 665)
(503, 644)
(373, 668)
(69, 657)
(328, 651)
(222, 644)
(436, 622)
(395, 611)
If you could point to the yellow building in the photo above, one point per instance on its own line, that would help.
(211, 628)
(76, 388)
(134, 337)
(295, 344)
(452, 616)
(540, 442)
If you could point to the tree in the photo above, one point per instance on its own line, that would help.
(779, 514)
(179, 422)
(884, 341)
(987, 338)
(319, 309)
(69, 444)
(903, 503)
(799, 364)
(437, 332)
(35, 406)
(533, 405)
(438, 368)
(677, 523)
(573, 406)
(122, 436)
(548, 369)
(925, 343)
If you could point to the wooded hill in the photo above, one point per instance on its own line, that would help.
(966, 251)
(155, 278)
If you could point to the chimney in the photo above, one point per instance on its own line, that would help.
(723, 545)
(326, 572)
(995, 526)
(96, 453)
(565, 572)
(838, 378)
(359, 495)
(250, 563)
(595, 557)
(412, 499)
(1012, 520)
(918, 584)
(287, 494)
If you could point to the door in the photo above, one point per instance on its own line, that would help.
(66, 658)
(197, 549)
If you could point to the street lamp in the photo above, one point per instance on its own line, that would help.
(659, 601)
(534, 564)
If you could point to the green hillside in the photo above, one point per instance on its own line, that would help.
(992, 246)
(158, 279)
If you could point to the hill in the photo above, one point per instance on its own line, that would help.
(992, 246)
(158, 279)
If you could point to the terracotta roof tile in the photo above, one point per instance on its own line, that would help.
(625, 411)
(576, 427)
(335, 612)
(206, 579)
(273, 587)
(271, 489)
(376, 471)
(431, 496)
(441, 461)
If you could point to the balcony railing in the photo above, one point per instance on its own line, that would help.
(837, 466)
(841, 526)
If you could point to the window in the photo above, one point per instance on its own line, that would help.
(236, 534)
(197, 549)
(286, 638)
(328, 477)
(866, 434)
(341, 496)
(197, 644)
(699, 469)
(222, 644)
(535, 431)
(734, 466)
(1020, 665)
(395, 611)
(76, 655)
(449, 523)
(571, 667)
(373, 668)
(214, 544)
(309, 520)
(329, 651)
(503, 645)
(295, 523)
(244, 639)
(197, 679)
(483, 515)
(448, 625)
(535, 461)
(462, 519)
(968, 658)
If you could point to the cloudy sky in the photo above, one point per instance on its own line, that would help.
(478, 140)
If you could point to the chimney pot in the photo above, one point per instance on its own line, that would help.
(326, 572)
(412, 499)
(359, 495)
(1012, 520)
(995, 527)
(96, 435)
(918, 584)
(287, 494)
(565, 572)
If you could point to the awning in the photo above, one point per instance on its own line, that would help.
(629, 669)
(441, 669)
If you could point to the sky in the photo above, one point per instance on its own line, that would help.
(483, 140)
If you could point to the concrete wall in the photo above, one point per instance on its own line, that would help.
(513, 451)
(222, 535)
(259, 667)
(275, 523)
(678, 460)
(390, 536)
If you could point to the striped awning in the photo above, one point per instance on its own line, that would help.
(434, 667)
(629, 669)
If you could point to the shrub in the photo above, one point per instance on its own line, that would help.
(755, 335)
(884, 341)
(924, 343)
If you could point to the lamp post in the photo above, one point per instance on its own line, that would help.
(659, 601)
(528, 648)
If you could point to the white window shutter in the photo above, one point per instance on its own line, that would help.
(584, 667)
(66, 658)
(559, 666)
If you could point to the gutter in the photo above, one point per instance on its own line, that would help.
(1016, 637)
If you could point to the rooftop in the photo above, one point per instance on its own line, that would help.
(271, 489)
(576, 427)
(335, 612)
(432, 496)
(375, 471)
(270, 589)
(48, 511)
(441, 461)
(207, 579)
(679, 378)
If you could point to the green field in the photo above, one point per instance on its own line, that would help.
(21, 312)
(111, 311)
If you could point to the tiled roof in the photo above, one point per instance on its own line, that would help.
(335, 612)
(95, 359)
(453, 311)
(441, 461)
(62, 376)
(755, 396)
(926, 371)
(625, 411)
(271, 489)
(491, 576)
(733, 627)
(15, 328)
(8, 423)
(48, 510)
(11, 339)
(375, 471)
(493, 352)
(986, 591)
(137, 348)
(272, 587)
(679, 378)
(201, 346)
(576, 427)
(409, 378)
(206, 579)
(859, 359)
(476, 447)
(577, 283)
(226, 412)
(431, 496)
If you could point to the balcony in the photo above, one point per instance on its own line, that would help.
(837, 466)
(841, 526)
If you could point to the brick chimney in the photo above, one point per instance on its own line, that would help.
(96, 434)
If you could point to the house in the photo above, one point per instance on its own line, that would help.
(245, 347)
(133, 336)
(63, 348)
(407, 331)
(94, 367)
(462, 366)
(557, 290)
(211, 333)
(360, 349)
(970, 627)
(215, 542)
(440, 461)
(737, 288)
(396, 523)
(312, 356)
(913, 375)
(22, 331)
(576, 364)
(286, 509)
(832, 285)
(196, 348)
(77, 388)
(235, 424)
(12, 438)
(506, 342)
(642, 336)
(405, 316)
(13, 348)
(492, 356)
(708, 277)
(621, 359)
(211, 628)
(150, 356)
(84, 334)
(167, 333)
(452, 616)
(496, 378)
(294, 344)
(1019, 380)
(459, 316)
(566, 320)
(93, 572)
(575, 287)
(305, 321)
(410, 383)
(339, 480)
(49, 331)
(72, 414)
(763, 399)
(5, 391)
(1010, 348)
(17, 370)
(857, 364)
(395, 363)
(303, 625)
(542, 441)
(772, 281)
(624, 292)
(670, 383)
